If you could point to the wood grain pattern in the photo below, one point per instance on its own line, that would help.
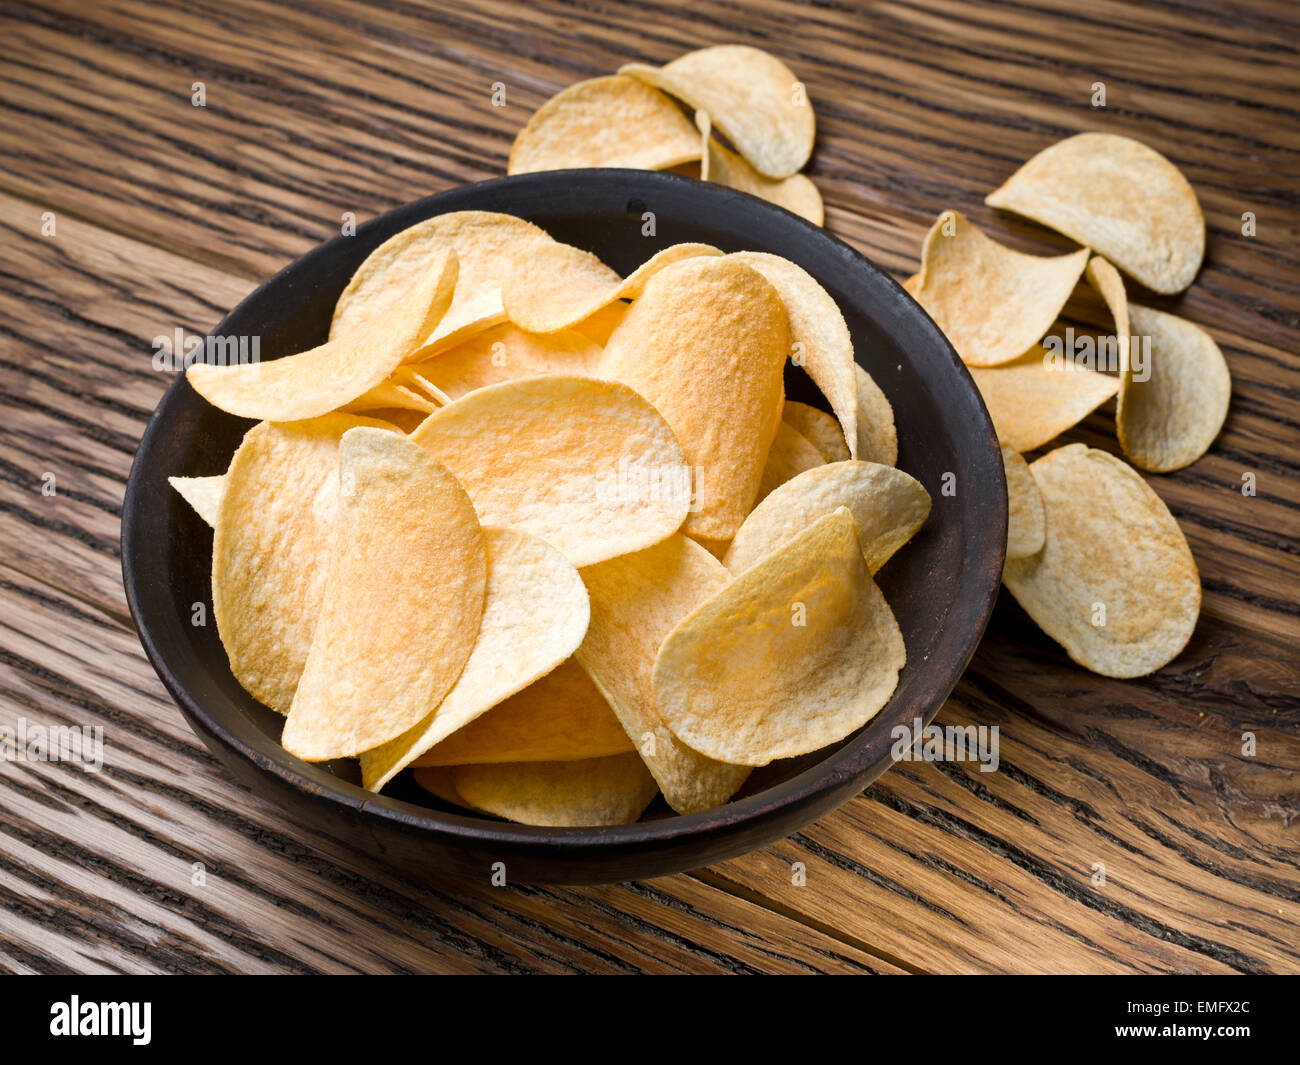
(167, 214)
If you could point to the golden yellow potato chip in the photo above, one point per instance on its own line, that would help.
(706, 344)
(795, 193)
(887, 505)
(506, 353)
(909, 286)
(1115, 583)
(1036, 398)
(542, 297)
(203, 494)
(274, 527)
(535, 613)
(877, 435)
(993, 303)
(594, 791)
(819, 340)
(404, 595)
(818, 428)
(1105, 279)
(487, 246)
(393, 394)
(589, 466)
(324, 378)
(612, 121)
(1118, 197)
(790, 454)
(561, 717)
(750, 95)
(794, 654)
(1026, 519)
(636, 600)
(599, 326)
(1169, 420)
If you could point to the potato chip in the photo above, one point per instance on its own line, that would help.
(819, 429)
(594, 791)
(561, 717)
(324, 378)
(1118, 197)
(795, 193)
(535, 613)
(887, 505)
(487, 246)
(542, 298)
(612, 121)
(819, 340)
(636, 600)
(506, 353)
(1036, 398)
(794, 654)
(706, 344)
(403, 600)
(790, 454)
(750, 95)
(392, 394)
(203, 494)
(993, 303)
(1170, 420)
(877, 435)
(910, 285)
(1105, 279)
(1115, 583)
(273, 529)
(589, 466)
(1026, 519)
(599, 326)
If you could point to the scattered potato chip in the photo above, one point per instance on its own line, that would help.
(795, 193)
(506, 353)
(589, 466)
(1170, 420)
(403, 600)
(273, 529)
(1115, 583)
(750, 95)
(561, 717)
(203, 494)
(535, 613)
(1105, 279)
(635, 602)
(706, 344)
(1035, 399)
(594, 791)
(1026, 519)
(910, 285)
(325, 378)
(611, 121)
(993, 303)
(794, 654)
(888, 507)
(819, 340)
(487, 245)
(541, 298)
(1118, 197)
(790, 454)
(877, 435)
(819, 428)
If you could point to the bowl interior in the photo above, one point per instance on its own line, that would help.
(941, 586)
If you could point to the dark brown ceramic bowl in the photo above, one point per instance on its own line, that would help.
(942, 585)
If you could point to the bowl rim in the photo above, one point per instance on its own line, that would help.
(856, 759)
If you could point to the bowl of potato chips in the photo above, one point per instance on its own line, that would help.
(574, 526)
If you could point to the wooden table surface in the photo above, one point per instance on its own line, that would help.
(166, 214)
